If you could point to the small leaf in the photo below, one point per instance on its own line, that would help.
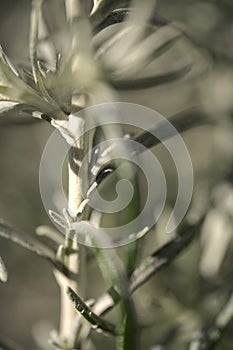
(3, 271)
(58, 219)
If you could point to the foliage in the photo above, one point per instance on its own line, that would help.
(80, 73)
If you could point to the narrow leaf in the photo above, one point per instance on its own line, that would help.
(7, 232)
(164, 255)
(151, 265)
(13, 88)
(96, 321)
(34, 30)
(117, 16)
(58, 219)
(149, 82)
(102, 8)
(120, 15)
(182, 121)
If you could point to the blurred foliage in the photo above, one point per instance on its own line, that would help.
(184, 301)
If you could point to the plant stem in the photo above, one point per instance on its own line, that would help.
(73, 258)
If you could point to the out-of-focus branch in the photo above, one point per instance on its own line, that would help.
(209, 338)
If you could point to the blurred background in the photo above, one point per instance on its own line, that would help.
(190, 292)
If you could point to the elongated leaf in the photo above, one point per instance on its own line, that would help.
(131, 53)
(152, 81)
(9, 77)
(7, 232)
(58, 219)
(120, 15)
(182, 121)
(151, 265)
(34, 30)
(13, 88)
(117, 16)
(102, 8)
(164, 255)
(36, 68)
(96, 321)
